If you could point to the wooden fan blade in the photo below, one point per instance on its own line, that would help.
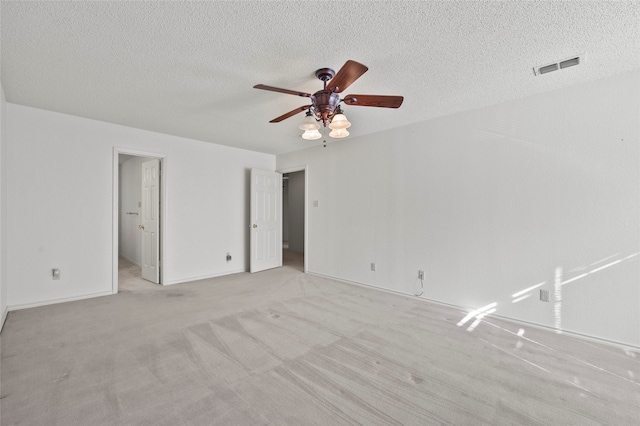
(380, 101)
(350, 72)
(277, 89)
(290, 114)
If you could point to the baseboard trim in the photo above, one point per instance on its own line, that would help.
(613, 343)
(204, 277)
(4, 318)
(359, 284)
(131, 261)
(56, 301)
(574, 334)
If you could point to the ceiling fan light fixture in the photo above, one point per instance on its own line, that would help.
(311, 135)
(325, 110)
(339, 121)
(309, 123)
(339, 133)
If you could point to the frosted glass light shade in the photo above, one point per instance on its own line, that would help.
(311, 135)
(339, 121)
(309, 123)
(339, 133)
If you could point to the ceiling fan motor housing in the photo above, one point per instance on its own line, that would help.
(325, 103)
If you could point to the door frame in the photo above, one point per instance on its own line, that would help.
(304, 169)
(116, 207)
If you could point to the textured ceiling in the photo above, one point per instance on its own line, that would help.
(187, 68)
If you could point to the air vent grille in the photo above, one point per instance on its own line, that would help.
(548, 68)
(559, 65)
(570, 62)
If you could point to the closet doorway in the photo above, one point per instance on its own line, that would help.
(137, 224)
(294, 218)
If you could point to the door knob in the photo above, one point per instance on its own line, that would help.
(255, 226)
(141, 226)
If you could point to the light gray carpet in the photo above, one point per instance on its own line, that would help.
(281, 347)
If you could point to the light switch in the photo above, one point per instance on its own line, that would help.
(315, 203)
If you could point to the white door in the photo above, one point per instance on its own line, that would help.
(266, 220)
(150, 220)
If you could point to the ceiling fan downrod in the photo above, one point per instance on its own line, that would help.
(325, 74)
(324, 102)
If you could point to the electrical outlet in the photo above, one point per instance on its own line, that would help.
(55, 274)
(421, 275)
(373, 266)
(544, 295)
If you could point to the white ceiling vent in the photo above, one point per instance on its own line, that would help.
(565, 63)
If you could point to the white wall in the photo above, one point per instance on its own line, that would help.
(3, 212)
(493, 201)
(130, 246)
(296, 211)
(59, 198)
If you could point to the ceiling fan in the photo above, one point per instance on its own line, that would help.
(325, 103)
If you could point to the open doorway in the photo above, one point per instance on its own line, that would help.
(294, 219)
(137, 220)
